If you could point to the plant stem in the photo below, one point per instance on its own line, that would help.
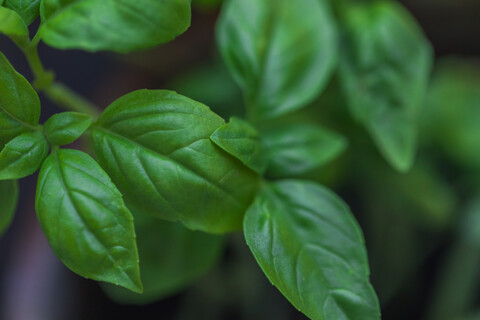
(57, 92)
(64, 96)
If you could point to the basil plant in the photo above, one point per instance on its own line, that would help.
(167, 169)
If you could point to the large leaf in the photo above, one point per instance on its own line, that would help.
(12, 25)
(85, 220)
(171, 258)
(66, 127)
(8, 203)
(156, 147)
(241, 140)
(295, 148)
(19, 103)
(385, 69)
(281, 52)
(27, 9)
(23, 155)
(121, 25)
(310, 247)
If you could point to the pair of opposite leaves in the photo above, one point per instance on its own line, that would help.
(282, 54)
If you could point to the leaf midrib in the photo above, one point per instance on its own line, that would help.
(67, 193)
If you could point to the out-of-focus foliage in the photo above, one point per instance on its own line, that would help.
(451, 118)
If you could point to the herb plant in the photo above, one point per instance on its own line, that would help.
(166, 165)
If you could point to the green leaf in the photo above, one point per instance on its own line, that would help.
(241, 140)
(121, 25)
(66, 127)
(171, 259)
(311, 248)
(281, 52)
(156, 146)
(19, 103)
(8, 203)
(27, 9)
(85, 220)
(385, 69)
(453, 111)
(294, 149)
(12, 25)
(23, 155)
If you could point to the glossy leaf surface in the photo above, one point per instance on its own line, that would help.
(385, 69)
(8, 203)
(281, 52)
(27, 9)
(241, 140)
(19, 103)
(171, 259)
(23, 155)
(66, 127)
(298, 148)
(85, 220)
(156, 147)
(121, 25)
(311, 248)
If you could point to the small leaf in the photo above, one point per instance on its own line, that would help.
(8, 203)
(156, 146)
(85, 220)
(311, 248)
(385, 69)
(66, 127)
(280, 52)
(171, 259)
(241, 140)
(23, 156)
(121, 25)
(27, 9)
(19, 103)
(294, 149)
(12, 25)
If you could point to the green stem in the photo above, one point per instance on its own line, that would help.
(64, 96)
(57, 92)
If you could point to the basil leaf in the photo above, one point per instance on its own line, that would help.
(156, 147)
(66, 127)
(19, 103)
(293, 149)
(171, 258)
(85, 220)
(23, 156)
(8, 203)
(12, 25)
(241, 140)
(453, 110)
(385, 70)
(308, 244)
(121, 25)
(281, 52)
(27, 9)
